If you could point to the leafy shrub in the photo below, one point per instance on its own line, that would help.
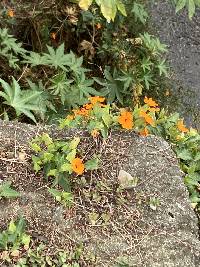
(59, 159)
(146, 119)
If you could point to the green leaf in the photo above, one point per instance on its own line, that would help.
(4, 240)
(74, 143)
(44, 99)
(71, 155)
(66, 167)
(163, 69)
(191, 8)
(22, 101)
(35, 147)
(92, 164)
(58, 59)
(36, 165)
(184, 154)
(7, 192)
(106, 116)
(20, 224)
(192, 179)
(153, 44)
(10, 49)
(83, 86)
(34, 59)
(139, 12)
(121, 7)
(64, 183)
(113, 87)
(52, 172)
(190, 4)
(12, 227)
(26, 239)
(55, 192)
(84, 4)
(197, 157)
(46, 139)
(180, 5)
(47, 157)
(109, 8)
(60, 86)
(9, 42)
(195, 197)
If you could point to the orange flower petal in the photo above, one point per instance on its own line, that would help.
(78, 166)
(150, 102)
(53, 35)
(88, 106)
(144, 132)
(81, 112)
(181, 127)
(10, 13)
(147, 118)
(95, 99)
(154, 109)
(126, 120)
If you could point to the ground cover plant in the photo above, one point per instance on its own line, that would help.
(85, 65)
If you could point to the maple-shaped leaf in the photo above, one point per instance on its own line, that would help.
(10, 43)
(56, 58)
(84, 87)
(112, 87)
(34, 59)
(23, 101)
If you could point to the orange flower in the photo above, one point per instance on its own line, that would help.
(147, 117)
(95, 99)
(78, 166)
(150, 102)
(144, 132)
(154, 109)
(181, 127)
(53, 35)
(10, 13)
(88, 106)
(81, 112)
(95, 133)
(126, 120)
